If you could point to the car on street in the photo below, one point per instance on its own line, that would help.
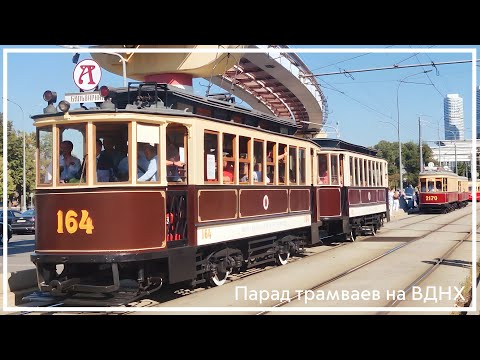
(9, 232)
(25, 223)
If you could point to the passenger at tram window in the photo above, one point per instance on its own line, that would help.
(142, 162)
(228, 171)
(438, 186)
(70, 165)
(323, 177)
(244, 172)
(104, 164)
(173, 163)
(257, 173)
(122, 173)
(151, 156)
(113, 151)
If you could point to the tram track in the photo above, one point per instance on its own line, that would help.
(156, 299)
(370, 261)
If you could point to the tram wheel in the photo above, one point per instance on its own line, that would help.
(219, 272)
(282, 258)
(352, 236)
(219, 278)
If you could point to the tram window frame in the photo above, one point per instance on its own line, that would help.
(215, 151)
(149, 138)
(423, 185)
(258, 161)
(352, 170)
(334, 167)
(302, 166)
(116, 132)
(292, 165)
(323, 169)
(244, 160)
(282, 163)
(176, 138)
(44, 173)
(232, 143)
(270, 161)
(61, 128)
(357, 171)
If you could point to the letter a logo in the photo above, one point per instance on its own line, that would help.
(87, 74)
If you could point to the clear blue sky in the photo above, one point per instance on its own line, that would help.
(363, 104)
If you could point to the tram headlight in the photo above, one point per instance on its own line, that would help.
(64, 106)
(50, 97)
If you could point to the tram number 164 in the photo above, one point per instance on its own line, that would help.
(71, 224)
(431, 197)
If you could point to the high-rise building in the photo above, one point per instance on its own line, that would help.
(478, 112)
(453, 116)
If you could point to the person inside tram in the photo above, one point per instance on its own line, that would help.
(438, 185)
(70, 165)
(104, 164)
(228, 170)
(151, 156)
(173, 163)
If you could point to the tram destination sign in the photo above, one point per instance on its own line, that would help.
(84, 97)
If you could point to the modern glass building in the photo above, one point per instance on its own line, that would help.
(453, 115)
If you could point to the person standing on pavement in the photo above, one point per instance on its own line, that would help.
(396, 200)
(390, 201)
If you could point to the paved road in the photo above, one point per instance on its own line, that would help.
(19, 249)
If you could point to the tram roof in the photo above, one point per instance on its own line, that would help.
(338, 144)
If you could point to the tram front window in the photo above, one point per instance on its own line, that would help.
(71, 163)
(45, 155)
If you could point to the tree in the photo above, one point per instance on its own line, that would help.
(15, 160)
(410, 160)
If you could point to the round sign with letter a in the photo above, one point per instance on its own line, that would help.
(87, 74)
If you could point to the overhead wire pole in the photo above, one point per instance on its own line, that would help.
(24, 195)
(398, 127)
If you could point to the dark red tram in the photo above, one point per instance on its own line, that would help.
(442, 191)
(156, 185)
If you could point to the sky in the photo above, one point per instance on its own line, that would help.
(362, 105)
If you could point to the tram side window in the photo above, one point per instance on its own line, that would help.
(431, 185)
(72, 142)
(444, 183)
(323, 169)
(301, 165)
(112, 152)
(334, 169)
(423, 185)
(45, 155)
(229, 158)
(176, 162)
(148, 145)
(352, 172)
(271, 146)
(244, 159)
(282, 159)
(292, 164)
(438, 185)
(210, 156)
(357, 172)
(258, 163)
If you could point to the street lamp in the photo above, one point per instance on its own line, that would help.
(24, 195)
(398, 126)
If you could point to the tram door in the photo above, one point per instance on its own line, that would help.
(177, 178)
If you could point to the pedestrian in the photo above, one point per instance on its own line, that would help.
(396, 200)
(390, 201)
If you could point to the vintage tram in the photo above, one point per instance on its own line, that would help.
(442, 191)
(187, 189)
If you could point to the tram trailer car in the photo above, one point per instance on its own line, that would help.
(232, 189)
(442, 191)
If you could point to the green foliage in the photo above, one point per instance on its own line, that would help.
(410, 161)
(15, 160)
